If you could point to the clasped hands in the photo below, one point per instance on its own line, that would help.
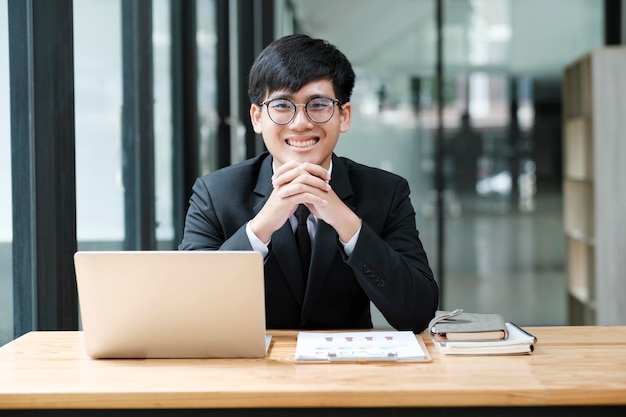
(305, 183)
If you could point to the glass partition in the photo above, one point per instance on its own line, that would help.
(503, 235)
(504, 244)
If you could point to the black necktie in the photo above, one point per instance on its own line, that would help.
(303, 240)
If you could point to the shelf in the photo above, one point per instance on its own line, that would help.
(594, 198)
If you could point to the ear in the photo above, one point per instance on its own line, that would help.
(255, 117)
(345, 117)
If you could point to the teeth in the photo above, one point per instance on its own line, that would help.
(301, 143)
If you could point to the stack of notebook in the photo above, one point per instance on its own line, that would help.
(460, 333)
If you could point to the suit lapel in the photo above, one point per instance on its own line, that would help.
(263, 187)
(340, 181)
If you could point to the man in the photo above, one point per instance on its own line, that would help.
(365, 245)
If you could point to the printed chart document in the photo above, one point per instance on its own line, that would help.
(375, 346)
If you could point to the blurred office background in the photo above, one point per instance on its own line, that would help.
(486, 176)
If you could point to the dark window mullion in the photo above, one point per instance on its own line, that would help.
(223, 83)
(43, 165)
(256, 29)
(440, 185)
(246, 55)
(138, 125)
(186, 148)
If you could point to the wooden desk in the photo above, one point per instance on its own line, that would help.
(571, 366)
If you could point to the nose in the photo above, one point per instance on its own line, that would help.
(301, 119)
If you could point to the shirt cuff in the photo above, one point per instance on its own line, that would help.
(256, 243)
(348, 247)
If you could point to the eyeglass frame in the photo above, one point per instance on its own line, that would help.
(295, 111)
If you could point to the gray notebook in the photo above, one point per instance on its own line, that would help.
(469, 326)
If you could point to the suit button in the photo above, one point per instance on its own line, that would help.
(376, 278)
(381, 283)
(366, 269)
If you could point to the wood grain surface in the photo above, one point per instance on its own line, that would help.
(570, 366)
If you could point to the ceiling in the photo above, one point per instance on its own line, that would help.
(396, 37)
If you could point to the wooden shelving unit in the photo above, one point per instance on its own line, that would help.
(594, 188)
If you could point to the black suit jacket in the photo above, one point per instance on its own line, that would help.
(388, 265)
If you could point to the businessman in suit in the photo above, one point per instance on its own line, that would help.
(360, 221)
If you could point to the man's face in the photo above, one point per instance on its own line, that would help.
(302, 139)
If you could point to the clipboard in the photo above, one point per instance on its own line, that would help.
(360, 347)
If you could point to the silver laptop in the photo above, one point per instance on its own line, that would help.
(172, 304)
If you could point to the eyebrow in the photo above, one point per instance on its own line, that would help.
(291, 97)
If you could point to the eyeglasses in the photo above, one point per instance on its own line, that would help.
(318, 109)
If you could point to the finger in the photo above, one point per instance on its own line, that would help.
(300, 180)
(286, 177)
(297, 192)
(315, 170)
(289, 165)
(292, 169)
(302, 184)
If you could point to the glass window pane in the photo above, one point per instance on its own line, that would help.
(161, 38)
(207, 87)
(6, 217)
(98, 95)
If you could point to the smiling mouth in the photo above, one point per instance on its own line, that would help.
(301, 143)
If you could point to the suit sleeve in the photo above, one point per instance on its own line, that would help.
(392, 267)
(203, 228)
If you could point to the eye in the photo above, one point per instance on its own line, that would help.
(319, 104)
(281, 105)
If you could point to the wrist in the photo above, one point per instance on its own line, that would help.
(258, 231)
(349, 228)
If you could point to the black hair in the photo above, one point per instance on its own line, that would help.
(293, 61)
